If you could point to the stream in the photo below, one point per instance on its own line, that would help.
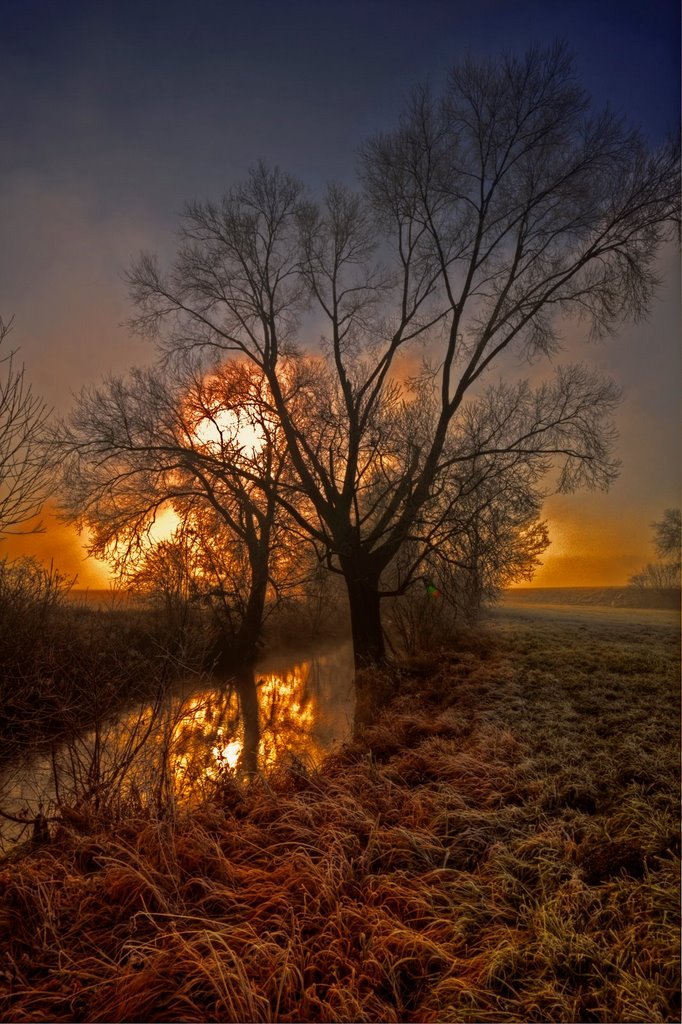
(294, 705)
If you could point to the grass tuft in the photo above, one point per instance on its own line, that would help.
(501, 844)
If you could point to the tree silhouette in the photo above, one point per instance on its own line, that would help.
(663, 576)
(174, 438)
(24, 467)
(667, 535)
(486, 218)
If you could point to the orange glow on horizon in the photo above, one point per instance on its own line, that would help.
(588, 550)
(60, 545)
(586, 570)
(585, 549)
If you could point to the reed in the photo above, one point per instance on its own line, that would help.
(501, 844)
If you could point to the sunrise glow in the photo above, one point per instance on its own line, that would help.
(230, 428)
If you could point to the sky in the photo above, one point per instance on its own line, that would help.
(115, 114)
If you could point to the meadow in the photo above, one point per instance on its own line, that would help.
(500, 843)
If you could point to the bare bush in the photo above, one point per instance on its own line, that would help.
(24, 465)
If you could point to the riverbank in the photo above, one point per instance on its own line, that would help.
(501, 844)
(71, 661)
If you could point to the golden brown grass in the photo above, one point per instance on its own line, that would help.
(501, 845)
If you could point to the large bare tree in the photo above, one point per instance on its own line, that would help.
(487, 217)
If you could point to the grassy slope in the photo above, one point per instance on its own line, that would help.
(501, 845)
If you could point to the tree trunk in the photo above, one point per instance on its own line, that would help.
(374, 687)
(252, 623)
(248, 703)
(241, 649)
(365, 618)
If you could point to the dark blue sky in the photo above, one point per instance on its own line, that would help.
(113, 114)
(152, 102)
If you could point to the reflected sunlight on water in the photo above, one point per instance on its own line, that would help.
(184, 743)
(250, 723)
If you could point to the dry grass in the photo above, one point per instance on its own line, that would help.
(614, 597)
(501, 845)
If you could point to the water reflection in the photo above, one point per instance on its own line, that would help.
(177, 748)
(252, 720)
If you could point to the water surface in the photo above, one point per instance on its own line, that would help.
(293, 706)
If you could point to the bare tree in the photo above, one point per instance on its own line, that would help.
(24, 467)
(175, 439)
(480, 530)
(489, 536)
(486, 217)
(492, 536)
(668, 535)
(663, 576)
